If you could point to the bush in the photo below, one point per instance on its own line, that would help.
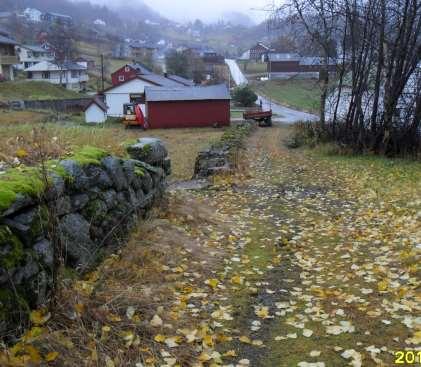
(305, 134)
(244, 96)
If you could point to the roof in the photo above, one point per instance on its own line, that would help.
(35, 48)
(158, 80)
(49, 66)
(262, 45)
(315, 60)
(99, 102)
(7, 41)
(181, 80)
(213, 92)
(140, 68)
(284, 57)
(58, 15)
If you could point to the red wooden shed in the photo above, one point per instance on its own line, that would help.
(177, 107)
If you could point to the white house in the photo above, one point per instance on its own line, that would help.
(69, 75)
(30, 55)
(33, 15)
(100, 22)
(96, 112)
(133, 91)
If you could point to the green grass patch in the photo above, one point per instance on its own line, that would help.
(33, 90)
(301, 94)
(252, 67)
(89, 155)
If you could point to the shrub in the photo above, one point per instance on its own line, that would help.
(244, 96)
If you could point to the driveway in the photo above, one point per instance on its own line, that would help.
(285, 114)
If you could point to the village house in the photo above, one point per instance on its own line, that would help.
(177, 107)
(287, 65)
(96, 111)
(129, 71)
(141, 50)
(32, 15)
(70, 75)
(87, 63)
(56, 18)
(30, 55)
(258, 52)
(8, 57)
(133, 91)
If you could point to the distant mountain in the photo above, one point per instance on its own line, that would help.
(237, 18)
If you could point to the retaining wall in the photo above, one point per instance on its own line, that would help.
(91, 202)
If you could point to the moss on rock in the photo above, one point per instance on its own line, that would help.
(89, 155)
(26, 181)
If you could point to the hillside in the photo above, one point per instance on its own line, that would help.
(23, 90)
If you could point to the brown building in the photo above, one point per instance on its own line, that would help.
(284, 65)
(8, 57)
(259, 52)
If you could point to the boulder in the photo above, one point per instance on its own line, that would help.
(79, 201)
(75, 238)
(115, 171)
(78, 178)
(98, 177)
(45, 252)
(148, 150)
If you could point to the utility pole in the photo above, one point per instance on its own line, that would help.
(102, 73)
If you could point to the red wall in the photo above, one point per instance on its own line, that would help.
(165, 115)
(127, 75)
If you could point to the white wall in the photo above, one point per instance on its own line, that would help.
(115, 98)
(94, 115)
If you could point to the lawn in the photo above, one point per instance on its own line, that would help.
(67, 136)
(296, 93)
(252, 67)
(32, 90)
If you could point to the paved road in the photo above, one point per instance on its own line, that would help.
(285, 114)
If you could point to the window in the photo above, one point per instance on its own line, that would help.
(137, 98)
(30, 75)
(45, 75)
(127, 69)
(74, 74)
(121, 78)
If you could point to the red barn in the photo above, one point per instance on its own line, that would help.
(187, 106)
(128, 72)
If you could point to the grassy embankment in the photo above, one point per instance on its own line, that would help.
(32, 90)
(300, 94)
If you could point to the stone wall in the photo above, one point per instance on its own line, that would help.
(221, 157)
(91, 202)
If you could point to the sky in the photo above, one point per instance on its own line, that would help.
(206, 10)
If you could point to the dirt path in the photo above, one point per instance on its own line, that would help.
(294, 261)
(321, 275)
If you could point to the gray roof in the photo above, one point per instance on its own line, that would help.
(181, 80)
(7, 41)
(315, 60)
(141, 68)
(35, 48)
(284, 57)
(159, 80)
(99, 102)
(59, 15)
(213, 92)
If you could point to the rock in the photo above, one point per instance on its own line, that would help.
(148, 150)
(147, 183)
(56, 187)
(63, 206)
(74, 234)
(116, 173)
(78, 180)
(29, 225)
(20, 203)
(45, 252)
(27, 271)
(95, 211)
(98, 177)
(129, 167)
(110, 198)
(79, 201)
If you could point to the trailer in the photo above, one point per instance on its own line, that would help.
(263, 118)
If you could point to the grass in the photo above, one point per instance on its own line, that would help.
(61, 140)
(253, 67)
(19, 117)
(300, 94)
(33, 90)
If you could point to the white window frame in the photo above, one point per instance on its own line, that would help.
(121, 78)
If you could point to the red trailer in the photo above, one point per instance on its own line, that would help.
(264, 118)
